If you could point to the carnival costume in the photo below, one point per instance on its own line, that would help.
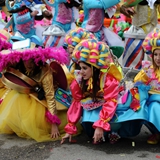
(64, 17)
(150, 77)
(94, 14)
(72, 39)
(22, 22)
(144, 20)
(23, 110)
(98, 113)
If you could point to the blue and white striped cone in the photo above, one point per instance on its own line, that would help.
(133, 52)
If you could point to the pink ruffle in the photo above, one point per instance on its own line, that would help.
(52, 118)
(70, 128)
(5, 45)
(102, 124)
(38, 54)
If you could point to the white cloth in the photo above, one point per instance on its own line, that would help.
(151, 3)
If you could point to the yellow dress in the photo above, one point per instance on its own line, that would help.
(24, 115)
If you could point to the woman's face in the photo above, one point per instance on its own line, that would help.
(156, 57)
(86, 71)
(29, 65)
(70, 50)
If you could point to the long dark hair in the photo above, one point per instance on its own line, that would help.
(96, 85)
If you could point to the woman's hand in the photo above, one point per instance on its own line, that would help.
(127, 11)
(54, 131)
(98, 134)
(65, 137)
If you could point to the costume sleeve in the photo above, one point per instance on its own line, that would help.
(141, 76)
(100, 4)
(1, 84)
(131, 3)
(75, 110)
(47, 84)
(109, 107)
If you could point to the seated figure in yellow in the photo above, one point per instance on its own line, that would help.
(27, 94)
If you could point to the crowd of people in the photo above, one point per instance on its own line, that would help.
(61, 78)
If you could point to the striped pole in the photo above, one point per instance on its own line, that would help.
(133, 53)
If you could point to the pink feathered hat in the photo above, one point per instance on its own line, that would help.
(9, 57)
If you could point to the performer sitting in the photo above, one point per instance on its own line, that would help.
(27, 91)
(149, 76)
(95, 90)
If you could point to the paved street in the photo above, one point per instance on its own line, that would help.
(15, 148)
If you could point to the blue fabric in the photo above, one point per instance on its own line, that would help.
(91, 116)
(56, 3)
(131, 121)
(154, 110)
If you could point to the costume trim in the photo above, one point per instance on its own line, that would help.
(52, 118)
(37, 54)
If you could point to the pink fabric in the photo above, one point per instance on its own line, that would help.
(5, 45)
(3, 36)
(95, 21)
(109, 107)
(38, 54)
(64, 15)
(52, 118)
(25, 28)
(75, 110)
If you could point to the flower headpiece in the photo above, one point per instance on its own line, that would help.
(37, 54)
(4, 38)
(152, 41)
(93, 52)
(75, 36)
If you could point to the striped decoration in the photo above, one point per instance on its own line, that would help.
(133, 53)
(53, 41)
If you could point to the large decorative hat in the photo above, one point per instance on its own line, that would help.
(94, 52)
(152, 41)
(75, 36)
(9, 57)
(4, 38)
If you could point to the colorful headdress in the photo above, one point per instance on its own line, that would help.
(9, 57)
(4, 38)
(152, 41)
(76, 36)
(93, 52)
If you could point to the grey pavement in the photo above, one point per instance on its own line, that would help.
(14, 148)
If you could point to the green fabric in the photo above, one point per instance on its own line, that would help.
(117, 51)
(131, 3)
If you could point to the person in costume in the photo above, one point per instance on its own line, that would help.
(72, 39)
(65, 14)
(149, 76)
(94, 90)
(23, 21)
(94, 14)
(143, 12)
(144, 20)
(27, 93)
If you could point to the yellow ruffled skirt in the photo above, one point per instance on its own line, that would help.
(25, 116)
